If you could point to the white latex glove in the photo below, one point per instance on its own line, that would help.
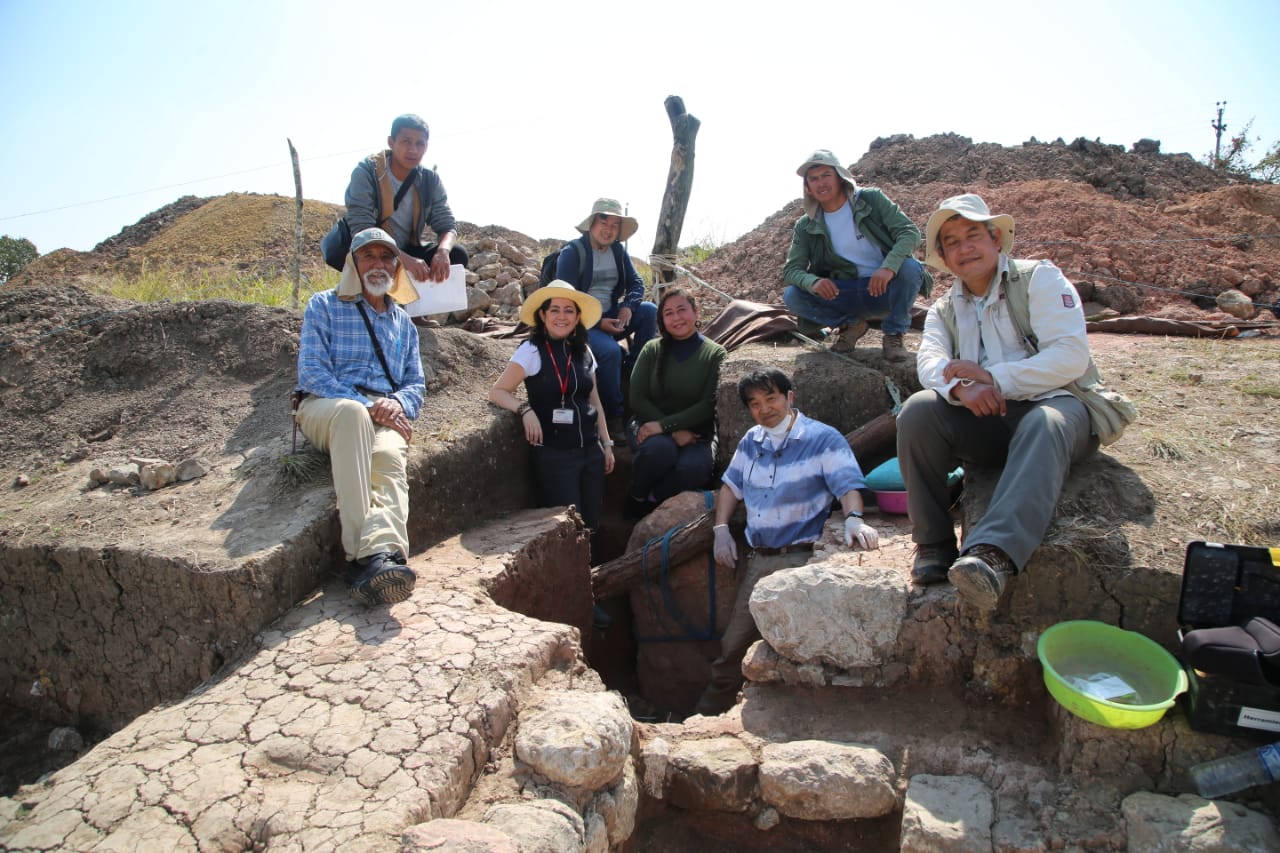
(725, 549)
(865, 534)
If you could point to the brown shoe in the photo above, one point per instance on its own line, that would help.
(932, 562)
(893, 348)
(981, 575)
(850, 334)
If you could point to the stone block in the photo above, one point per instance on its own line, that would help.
(952, 813)
(825, 780)
(575, 738)
(717, 774)
(1193, 824)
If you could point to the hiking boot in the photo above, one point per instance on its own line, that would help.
(850, 334)
(981, 575)
(809, 329)
(893, 348)
(385, 580)
(600, 619)
(932, 561)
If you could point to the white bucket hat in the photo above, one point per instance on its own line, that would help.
(589, 309)
(349, 286)
(972, 208)
(611, 207)
(823, 157)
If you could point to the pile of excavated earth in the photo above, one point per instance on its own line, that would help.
(198, 678)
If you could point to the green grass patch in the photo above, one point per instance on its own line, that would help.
(153, 285)
(1259, 389)
(307, 467)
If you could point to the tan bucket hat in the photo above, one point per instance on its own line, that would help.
(349, 287)
(971, 207)
(611, 207)
(589, 309)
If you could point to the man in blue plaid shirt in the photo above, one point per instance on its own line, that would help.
(361, 373)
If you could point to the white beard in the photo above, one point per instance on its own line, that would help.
(377, 282)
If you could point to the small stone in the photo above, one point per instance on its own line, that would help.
(66, 738)
(1236, 304)
(191, 469)
(21, 480)
(156, 475)
(767, 819)
(124, 475)
(98, 476)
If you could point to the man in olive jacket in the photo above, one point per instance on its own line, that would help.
(851, 259)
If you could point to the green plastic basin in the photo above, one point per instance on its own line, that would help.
(1088, 651)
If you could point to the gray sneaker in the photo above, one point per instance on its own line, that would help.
(850, 334)
(981, 575)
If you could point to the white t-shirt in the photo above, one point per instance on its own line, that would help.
(529, 357)
(852, 244)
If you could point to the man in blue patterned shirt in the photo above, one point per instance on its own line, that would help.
(787, 470)
(361, 373)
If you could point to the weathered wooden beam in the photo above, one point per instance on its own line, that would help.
(619, 575)
(675, 200)
(875, 441)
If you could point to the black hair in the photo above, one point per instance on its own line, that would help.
(411, 122)
(766, 379)
(577, 339)
(665, 340)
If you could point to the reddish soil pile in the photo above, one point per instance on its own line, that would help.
(1142, 233)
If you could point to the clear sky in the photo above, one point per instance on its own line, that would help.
(114, 109)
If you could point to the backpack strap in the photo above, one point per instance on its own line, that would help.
(382, 169)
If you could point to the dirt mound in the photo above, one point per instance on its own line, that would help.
(1132, 256)
(145, 229)
(950, 158)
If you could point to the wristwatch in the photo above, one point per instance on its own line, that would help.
(853, 513)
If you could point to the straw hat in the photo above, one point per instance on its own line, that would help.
(589, 309)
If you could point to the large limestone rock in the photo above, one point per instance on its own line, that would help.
(718, 774)
(456, 836)
(575, 738)
(617, 806)
(847, 616)
(1189, 823)
(947, 813)
(823, 780)
(539, 826)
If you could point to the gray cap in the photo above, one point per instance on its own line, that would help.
(372, 235)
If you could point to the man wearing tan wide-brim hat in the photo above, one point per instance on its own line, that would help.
(361, 381)
(597, 263)
(996, 359)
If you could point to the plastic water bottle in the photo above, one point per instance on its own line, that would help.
(1233, 773)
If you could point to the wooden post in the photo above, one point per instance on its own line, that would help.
(297, 224)
(684, 130)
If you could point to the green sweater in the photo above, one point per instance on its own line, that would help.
(687, 397)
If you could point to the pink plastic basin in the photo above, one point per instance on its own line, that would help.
(892, 502)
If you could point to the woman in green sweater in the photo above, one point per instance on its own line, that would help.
(672, 432)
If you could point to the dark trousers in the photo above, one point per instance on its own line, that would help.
(663, 468)
(457, 255)
(574, 476)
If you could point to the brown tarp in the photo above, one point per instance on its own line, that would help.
(742, 321)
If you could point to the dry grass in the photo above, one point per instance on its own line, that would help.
(307, 467)
(155, 285)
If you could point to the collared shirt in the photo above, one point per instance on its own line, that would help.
(987, 336)
(336, 354)
(788, 491)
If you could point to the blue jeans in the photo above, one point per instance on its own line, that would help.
(609, 359)
(854, 303)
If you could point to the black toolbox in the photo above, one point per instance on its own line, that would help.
(1228, 585)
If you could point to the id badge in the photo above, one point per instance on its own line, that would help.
(562, 416)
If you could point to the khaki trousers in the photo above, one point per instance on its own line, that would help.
(741, 632)
(369, 463)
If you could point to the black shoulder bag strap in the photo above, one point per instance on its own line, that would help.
(377, 347)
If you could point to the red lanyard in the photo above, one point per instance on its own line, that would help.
(568, 366)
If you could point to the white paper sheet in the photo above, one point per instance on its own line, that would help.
(442, 297)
